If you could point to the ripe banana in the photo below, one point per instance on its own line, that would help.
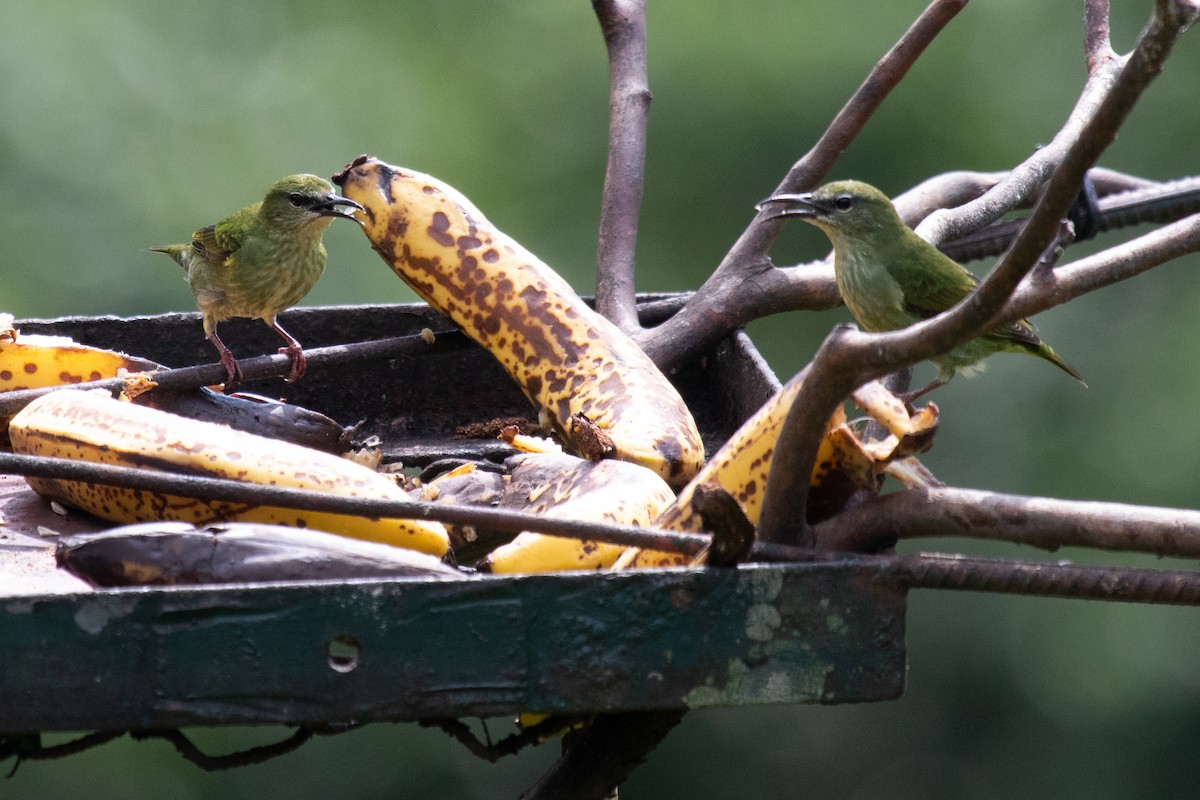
(94, 427)
(559, 485)
(33, 361)
(843, 465)
(566, 358)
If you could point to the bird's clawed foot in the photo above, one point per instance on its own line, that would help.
(296, 357)
(233, 373)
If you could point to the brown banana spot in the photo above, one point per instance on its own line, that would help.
(612, 386)
(563, 408)
(490, 255)
(542, 311)
(438, 228)
(383, 175)
(30, 368)
(466, 270)
(397, 226)
(468, 243)
(489, 325)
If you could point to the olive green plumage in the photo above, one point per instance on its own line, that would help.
(890, 277)
(261, 260)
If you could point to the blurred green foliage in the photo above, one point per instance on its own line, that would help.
(126, 124)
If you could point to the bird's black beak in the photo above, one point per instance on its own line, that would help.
(789, 205)
(329, 207)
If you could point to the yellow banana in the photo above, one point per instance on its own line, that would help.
(34, 361)
(566, 358)
(94, 427)
(559, 485)
(742, 464)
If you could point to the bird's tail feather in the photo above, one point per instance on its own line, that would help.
(175, 251)
(1047, 352)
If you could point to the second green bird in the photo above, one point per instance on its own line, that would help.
(261, 260)
(890, 277)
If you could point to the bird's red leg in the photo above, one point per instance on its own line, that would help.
(233, 373)
(293, 351)
(908, 397)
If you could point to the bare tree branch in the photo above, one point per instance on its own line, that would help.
(847, 358)
(1096, 43)
(1046, 289)
(1123, 200)
(623, 23)
(1023, 181)
(1040, 522)
(952, 189)
(745, 279)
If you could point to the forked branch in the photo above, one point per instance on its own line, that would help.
(745, 284)
(848, 357)
(623, 23)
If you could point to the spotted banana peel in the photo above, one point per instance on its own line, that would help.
(36, 361)
(559, 485)
(567, 359)
(740, 467)
(92, 426)
(844, 463)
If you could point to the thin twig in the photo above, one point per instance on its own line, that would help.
(508, 746)
(745, 279)
(848, 358)
(29, 747)
(623, 23)
(1041, 522)
(254, 755)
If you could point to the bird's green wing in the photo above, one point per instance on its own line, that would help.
(216, 243)
(928, 293)
(932, 284)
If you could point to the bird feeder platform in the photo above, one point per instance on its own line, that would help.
(338, 652)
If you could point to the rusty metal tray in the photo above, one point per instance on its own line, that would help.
(407, 649)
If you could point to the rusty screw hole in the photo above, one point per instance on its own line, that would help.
(344, 653)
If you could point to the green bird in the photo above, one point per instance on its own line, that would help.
(890, 277)
(261, 260)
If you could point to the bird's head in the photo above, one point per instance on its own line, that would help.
(299, 200)
(843, 207)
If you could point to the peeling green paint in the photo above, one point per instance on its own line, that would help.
(765, 685)
(93, 617)
(763, 586)
(762, 622)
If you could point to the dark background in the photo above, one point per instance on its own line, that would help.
(125, 125)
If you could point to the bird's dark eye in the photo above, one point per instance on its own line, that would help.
(296, 199)
(844, 203)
